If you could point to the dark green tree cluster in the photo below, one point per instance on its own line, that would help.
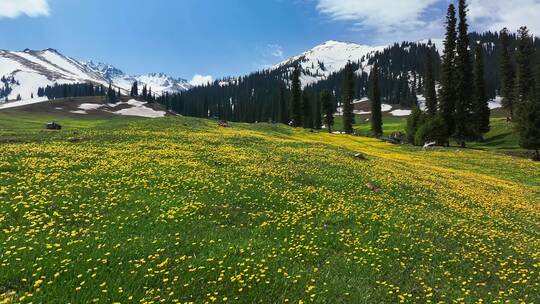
(259, 97)
(134, 89)
(526, 96)
(112, 94)
(461, 111)
(7, 83)
(147, 94)
(296, 98)
(376, 104)
(72, 90)
(328, 108)
(348, 98)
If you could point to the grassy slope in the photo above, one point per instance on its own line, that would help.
(500, 138)
(180, 209)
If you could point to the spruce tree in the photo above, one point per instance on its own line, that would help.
(528, 121)
(318, 115)
(134, 90)
(507, 73)
(284, 108)
(414, 121)
(524, 77)
(481, 111)
(328, 109)
(111, 94)
(145, 93)
(527, 96)
(296, 98)
(376, 106)
(429, 83)
(307, 116)
(348, 97)
(463, 120)
(448, 72)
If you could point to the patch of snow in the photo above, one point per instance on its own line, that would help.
(421, 102)
(90, 106)
(361, 112)
(82, 112)
(138, 108)
(400, 113)
(429, 144)
(495, 103)
(20, 103)
(386, 107)
(357, 101)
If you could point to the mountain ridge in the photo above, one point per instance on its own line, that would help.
(27, 70)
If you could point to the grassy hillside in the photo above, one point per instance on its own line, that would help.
(501, 138)
(182, 210)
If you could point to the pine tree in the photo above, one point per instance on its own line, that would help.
(376, 111)
(414, 121)
(284, 109)
(429, 83)
(296, 98)
(111, 94)
(145, 93)
(348, 97)
(328, 109)
(134, 90)
(448, 72)
(527, 96)
(463, 120)
(318, 115)
(481, 111)
(528, 121)
(307, 117)
(507, 73)
(524, 78)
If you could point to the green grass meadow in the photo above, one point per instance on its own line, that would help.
(182, 210)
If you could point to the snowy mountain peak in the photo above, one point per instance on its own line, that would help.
(30, 69)
(327, 58)
(106, 70)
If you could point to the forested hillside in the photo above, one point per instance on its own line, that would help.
(264, 95)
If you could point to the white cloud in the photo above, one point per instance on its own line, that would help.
(275, 50)
(199, 80)
(496, 14)
(392, 20)
(16, 8)
(383, 15)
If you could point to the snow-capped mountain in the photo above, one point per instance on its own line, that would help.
(24, 72)
(159, 82)
(329, 57)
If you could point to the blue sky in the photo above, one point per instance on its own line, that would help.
(219, 38)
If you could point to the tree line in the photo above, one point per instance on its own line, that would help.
(89, 89)
(460, 109)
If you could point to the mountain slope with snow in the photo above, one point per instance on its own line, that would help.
(22, 73)
(330, 57)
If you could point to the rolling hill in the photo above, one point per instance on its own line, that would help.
(187, 210)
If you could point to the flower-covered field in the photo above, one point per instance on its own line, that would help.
(179, 210)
